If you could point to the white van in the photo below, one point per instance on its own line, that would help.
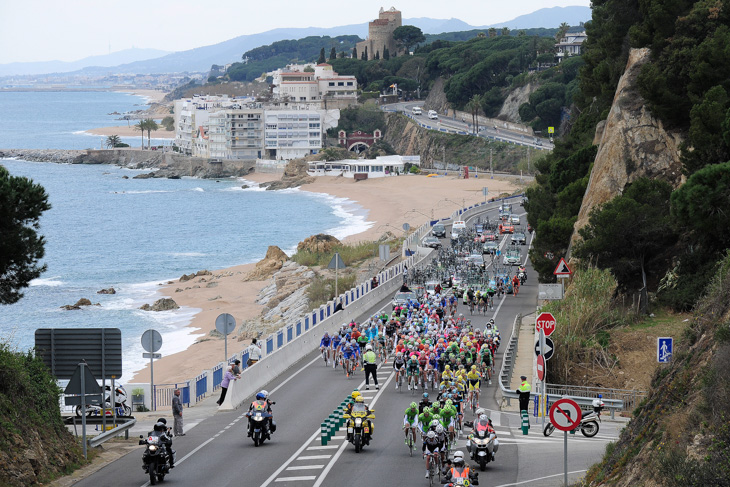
(433, 115)
(457, 228)
(416, 111)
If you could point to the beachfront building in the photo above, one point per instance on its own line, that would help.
(192, 113)
(379, 167)
(311, 83)
(291, 134)
(244, 133)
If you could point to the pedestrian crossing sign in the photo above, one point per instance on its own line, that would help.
(664, 349)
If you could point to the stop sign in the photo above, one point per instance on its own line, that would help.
(546, 323)
(540, 367)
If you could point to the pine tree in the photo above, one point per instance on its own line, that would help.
(321, 59)
(386, 53)
(365, 54)
(377, 54)
(333, 53)
(354, 53)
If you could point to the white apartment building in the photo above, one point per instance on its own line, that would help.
(319, 84)
(192, 113)
(292, 133)
(570, 45)
(244, 133)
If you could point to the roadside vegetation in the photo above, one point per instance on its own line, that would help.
(322, 289)
(351, 254)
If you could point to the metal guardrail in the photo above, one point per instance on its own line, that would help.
(630, 397)
(505, 372)
(108, 435)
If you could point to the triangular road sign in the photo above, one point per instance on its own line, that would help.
(90, 384)
(336, 262)
(562, 268)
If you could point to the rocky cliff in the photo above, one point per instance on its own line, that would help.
(510, 110)
(632, 144)
(295, 175)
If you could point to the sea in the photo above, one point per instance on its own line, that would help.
(107, 230)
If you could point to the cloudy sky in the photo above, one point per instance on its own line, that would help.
(68, 30)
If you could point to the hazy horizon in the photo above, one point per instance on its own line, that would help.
(77, 29)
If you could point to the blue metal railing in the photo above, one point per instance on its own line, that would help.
(217, 376)
(201, 384)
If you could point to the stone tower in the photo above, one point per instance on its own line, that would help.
(380, 34)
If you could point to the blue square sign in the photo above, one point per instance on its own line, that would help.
(664, 349)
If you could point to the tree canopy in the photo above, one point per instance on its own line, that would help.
(22, 203)
(408, 36)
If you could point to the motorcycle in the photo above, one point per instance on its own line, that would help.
(359, 430)
(588, 423)
(120, 403)
(522, 277)
(481, 444)
(260, 422)
(155, 459)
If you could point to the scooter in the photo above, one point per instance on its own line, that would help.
(588, 423)
(120, 403)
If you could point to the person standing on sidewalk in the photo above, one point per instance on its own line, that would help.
(177, 410)
(524, 392)
(254, 353)
(369, 361)
(230, 375)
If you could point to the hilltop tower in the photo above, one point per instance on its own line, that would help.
(380, 33)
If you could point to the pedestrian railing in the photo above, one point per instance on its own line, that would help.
(165, 392)
(630, 398)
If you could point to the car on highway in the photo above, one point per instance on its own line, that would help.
(514, 219)
(433, 115)
(506, 228)
(431, 287)
(416, 111)
(512, 257)
(505, 217)
(519, 238)
(402, 298)
(490, 247)
(431, 242)
(475, 259)
(479, 228)
(490, 237)
(438, 230)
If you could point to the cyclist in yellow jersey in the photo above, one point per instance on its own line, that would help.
(447, 374)
(474, 379)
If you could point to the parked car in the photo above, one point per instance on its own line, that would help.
(438, 230)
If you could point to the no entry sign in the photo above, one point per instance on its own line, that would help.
(540, 367)
(565, 414)
(545, 322)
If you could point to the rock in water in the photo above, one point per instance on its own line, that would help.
(110, 290)
(81, 302)
(164, 304)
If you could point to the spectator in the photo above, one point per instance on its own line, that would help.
(177, 410)
(227, 380)
(254, 353)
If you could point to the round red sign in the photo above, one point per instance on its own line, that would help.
(565, 414)
(545, 322)
(540, 367)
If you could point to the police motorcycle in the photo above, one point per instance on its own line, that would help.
(589, 420)
(158, 457)
(359, 426)
(482, 443)
(260, 420)
(120, 403)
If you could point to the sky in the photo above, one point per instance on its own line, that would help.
(69, 30)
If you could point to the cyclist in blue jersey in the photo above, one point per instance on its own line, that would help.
(349, 349)
(324, 347)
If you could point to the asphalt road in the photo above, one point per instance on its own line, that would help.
(216, 452)
(456, 124)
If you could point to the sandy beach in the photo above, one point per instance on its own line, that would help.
(389, 202)
(129, 131)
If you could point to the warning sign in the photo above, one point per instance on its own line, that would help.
(562, 269)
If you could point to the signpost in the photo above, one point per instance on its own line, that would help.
(547, 349)
(562, 270)
(540, 368)
(225, 324)
(337, 263)
(152, 342)
(549, 291)
(664, 349)
(565, 415)
(485, 191)
(85, 386)
(545, 322)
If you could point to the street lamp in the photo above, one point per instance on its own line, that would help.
(421, 213)
(463, 202)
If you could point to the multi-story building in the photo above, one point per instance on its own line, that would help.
(244, 133)
(315, 84)
(570, 45)
(192, 113)
(292, 133)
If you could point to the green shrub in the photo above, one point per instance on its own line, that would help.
(322, 290)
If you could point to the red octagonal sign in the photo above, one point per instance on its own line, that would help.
(545, 322)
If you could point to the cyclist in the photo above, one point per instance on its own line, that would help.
(448, 415)
(410, 421)
(433, 445)
(348, 354)
(425, 403)
(335, 344)
(399, 365)
(474, 378)
(424, 420)
(324, 346)
(486, 360)
(412, 369)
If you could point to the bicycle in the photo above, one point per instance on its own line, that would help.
(474, 400)
(325, 355)
(410, 439)
(434, 467)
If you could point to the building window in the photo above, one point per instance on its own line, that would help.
(341, 83)
(331, 83)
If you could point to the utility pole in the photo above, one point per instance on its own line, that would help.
(443, 156)
(528, 159)
(491, 169)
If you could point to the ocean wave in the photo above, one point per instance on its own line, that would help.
(187, 254)
(47, 281)
(201, 190)
(143, 191)
(353, 217)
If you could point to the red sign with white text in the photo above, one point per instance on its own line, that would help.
(545, 322)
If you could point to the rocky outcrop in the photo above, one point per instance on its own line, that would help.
(295, 175)
(43, 155)
(319, 243)
(164, 304)
(436, 99)
(188, 277)
(110, 290)
(81, 302)
(266, 267)
(633, 144)
(510, 110)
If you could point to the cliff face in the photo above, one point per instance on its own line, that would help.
(510, 109)
(632, 144)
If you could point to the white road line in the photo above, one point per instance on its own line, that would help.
(540, 478)
(291, 459)
(295, 374)
(323, 447)
(306, 467)
(315, 457)
(295, 479)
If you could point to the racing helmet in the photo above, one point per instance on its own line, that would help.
(359, 399)
(160, 426)
(368, 347)
(414, 405)
(473, 367)
(483, 417)
(425, 395)
(480, 411)
(459, 458)
(355, 394)
(435, 423)
(260, 396)
(440, 429)
(431, 435)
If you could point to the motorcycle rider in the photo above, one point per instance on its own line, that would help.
(483, 422)
(371, 426)
(262, 401)
(459, 470)
(163, 432)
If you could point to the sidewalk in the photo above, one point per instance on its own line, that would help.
(524, 361)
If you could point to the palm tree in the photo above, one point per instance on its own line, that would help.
(141, 126)
(562, 30)
(112, 141)
(473, 106)
(150, 125)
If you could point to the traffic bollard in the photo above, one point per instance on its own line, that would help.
(525, 422)
(323, 434)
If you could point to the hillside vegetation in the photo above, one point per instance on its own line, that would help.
(34, 443)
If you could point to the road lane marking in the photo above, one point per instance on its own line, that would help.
(315, 457)
(291, 459)
(540, 478)
(305, 467)
(295, 479)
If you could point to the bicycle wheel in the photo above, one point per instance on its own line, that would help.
(410, 441)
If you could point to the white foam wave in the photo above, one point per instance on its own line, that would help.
(47, 281)
(198, 189)
(353, 217)
(146, 191)
(188, 254)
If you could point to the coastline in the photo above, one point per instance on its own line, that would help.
(387, 203)
(129, 131)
